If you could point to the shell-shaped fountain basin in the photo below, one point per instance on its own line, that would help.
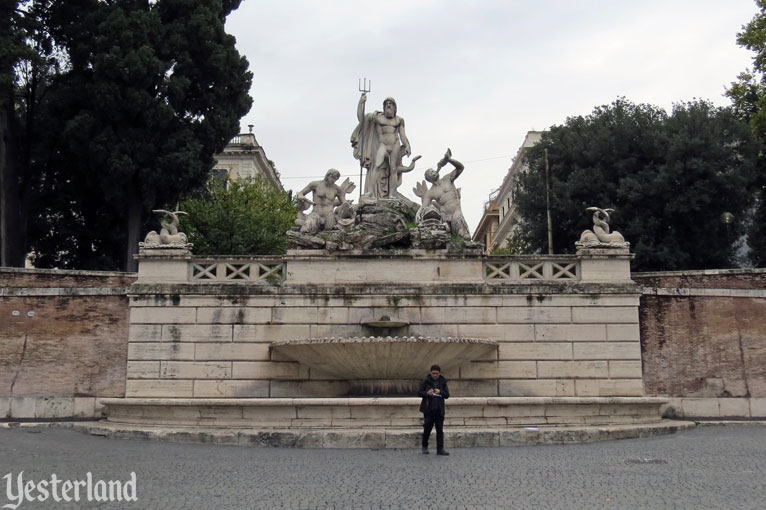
(385, 358)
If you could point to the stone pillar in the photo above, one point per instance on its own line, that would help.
(604, 263)
(164, 264)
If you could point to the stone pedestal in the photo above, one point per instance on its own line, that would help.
(604, 262)
(164, 263)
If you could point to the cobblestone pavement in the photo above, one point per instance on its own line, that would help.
(705, 468)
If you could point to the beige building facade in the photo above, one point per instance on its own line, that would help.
(244, 158)
(485, 231)
(508, 215)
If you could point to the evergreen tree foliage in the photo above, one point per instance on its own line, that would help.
(28, 63)
(748, 95)
(669, 178)
(147, 92)
(239, 218)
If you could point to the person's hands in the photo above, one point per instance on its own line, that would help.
(430, 392)
(437, 392)
(363, 99)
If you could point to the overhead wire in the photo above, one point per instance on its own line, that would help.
(282, 177)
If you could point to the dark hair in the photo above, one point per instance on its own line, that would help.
(436, 367)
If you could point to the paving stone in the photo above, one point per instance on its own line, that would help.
(707, 467)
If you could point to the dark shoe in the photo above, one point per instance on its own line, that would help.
(424, 451)
(442, 452)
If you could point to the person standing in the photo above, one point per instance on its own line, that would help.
(434, 392)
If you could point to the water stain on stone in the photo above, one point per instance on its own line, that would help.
(175, 333)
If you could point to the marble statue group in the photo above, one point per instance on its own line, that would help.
(384, 217)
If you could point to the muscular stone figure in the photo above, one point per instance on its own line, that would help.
(381, 135)
(444, 196)
(322, 216)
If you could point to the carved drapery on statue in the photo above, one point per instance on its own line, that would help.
(377, 182)
(365, 149)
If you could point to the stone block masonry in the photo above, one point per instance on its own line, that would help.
(701, 338)
(211, 339)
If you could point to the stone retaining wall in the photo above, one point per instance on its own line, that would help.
(63, 341)
(703, 335)
(702, 339)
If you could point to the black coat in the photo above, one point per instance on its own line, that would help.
(433, 404)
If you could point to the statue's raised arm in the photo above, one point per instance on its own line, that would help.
(360, 107)
(457, 164)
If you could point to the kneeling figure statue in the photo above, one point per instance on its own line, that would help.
(443, 198)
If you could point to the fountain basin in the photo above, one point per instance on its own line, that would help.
(381, 365)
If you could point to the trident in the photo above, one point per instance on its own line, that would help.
(364, 88)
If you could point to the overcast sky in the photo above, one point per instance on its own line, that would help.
(474, 76)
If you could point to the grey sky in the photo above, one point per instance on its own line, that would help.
(474, 76)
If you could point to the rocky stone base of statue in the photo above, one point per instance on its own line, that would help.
(430, 235)
(382, 224)
(379, 224)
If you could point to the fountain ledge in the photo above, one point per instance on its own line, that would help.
(386, 339)
(383, 401)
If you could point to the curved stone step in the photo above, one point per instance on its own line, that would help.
(372, 412)
(455, 437)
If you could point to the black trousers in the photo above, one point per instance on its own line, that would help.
(429, 420)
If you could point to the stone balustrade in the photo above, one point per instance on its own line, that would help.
(221, 270)
(414, 266)
(531, 268)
